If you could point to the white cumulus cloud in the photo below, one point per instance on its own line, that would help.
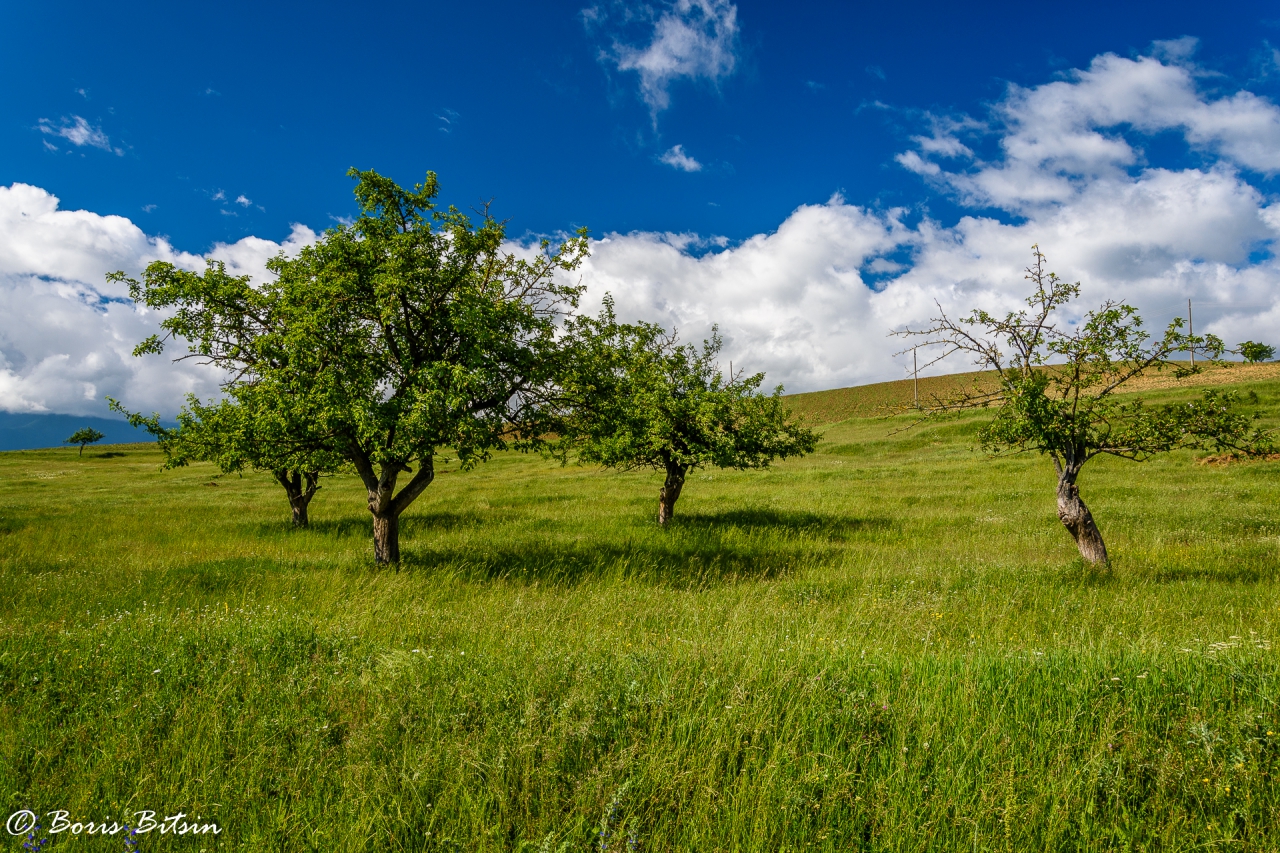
(66, 334)
(813, 302)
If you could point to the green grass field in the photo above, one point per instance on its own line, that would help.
(889, 645)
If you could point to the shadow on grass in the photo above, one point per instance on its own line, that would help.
(697, 549)
(831, 526)
(688, 564)
(361, 526)
(111, 454)
(1225, 572)
(1080, 572)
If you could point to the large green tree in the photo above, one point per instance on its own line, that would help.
(263, 422)
(1055, 390)
(638, 398)
(407, 334)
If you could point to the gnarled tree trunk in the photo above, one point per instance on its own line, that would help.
(670, 492)
(301, 487)
(385, 505)
(386, 538)
(1075, 516)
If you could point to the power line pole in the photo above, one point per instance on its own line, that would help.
(1191, 330)
(915, 376)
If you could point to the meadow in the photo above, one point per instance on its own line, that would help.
(888, 645)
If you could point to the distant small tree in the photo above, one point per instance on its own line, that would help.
(1253, 352)
(640, 399)
(88, 435)
(1055, 390)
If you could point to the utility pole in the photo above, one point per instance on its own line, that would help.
(915, 377)
(1191, 330)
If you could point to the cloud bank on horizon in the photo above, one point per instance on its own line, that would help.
(813, 302)
(1068, 165)
(67, 334)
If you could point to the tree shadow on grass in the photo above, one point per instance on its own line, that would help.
(1224, 572)
(111, 454)
(834, 527)
(361, 526)
(688, 562)
(696, 550)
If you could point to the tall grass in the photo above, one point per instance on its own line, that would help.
(889, 645)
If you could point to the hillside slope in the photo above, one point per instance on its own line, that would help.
(884, 398)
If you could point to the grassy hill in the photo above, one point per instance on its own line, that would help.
(888, 645)
(886, 398)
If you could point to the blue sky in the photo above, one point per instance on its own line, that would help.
(808, 176)
(271, 102)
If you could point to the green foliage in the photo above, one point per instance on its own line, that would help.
(262, 423)
(411, 330)
(88, 435)
(404, 333)
(641, 399)
(1253, 352)
(1057, 386)
(245, 432)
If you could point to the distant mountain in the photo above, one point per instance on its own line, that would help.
(29, 432)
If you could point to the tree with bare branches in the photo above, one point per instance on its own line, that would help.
(1056, 389)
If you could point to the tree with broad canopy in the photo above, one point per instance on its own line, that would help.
(638, 398)
(408, 333)
(1055, 390)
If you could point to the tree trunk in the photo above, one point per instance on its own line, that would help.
(385, 505)
(301, 487)
(386, 539)
(1075, 516)
(670, 493)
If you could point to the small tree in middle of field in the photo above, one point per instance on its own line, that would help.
(255, 430)
(641, 399)
(1253, 352)
(88, 435)
(1055, 390)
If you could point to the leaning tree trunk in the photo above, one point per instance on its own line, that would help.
(1075, 516)
(301, 487)
(670, 493)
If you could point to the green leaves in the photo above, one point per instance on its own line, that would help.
(1253, 352)
(416, 331)
(405, 332)
(637, 398)
(1056, 387)
(88, 435)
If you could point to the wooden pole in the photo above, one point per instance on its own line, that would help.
(915, 376)
(1191, 330)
